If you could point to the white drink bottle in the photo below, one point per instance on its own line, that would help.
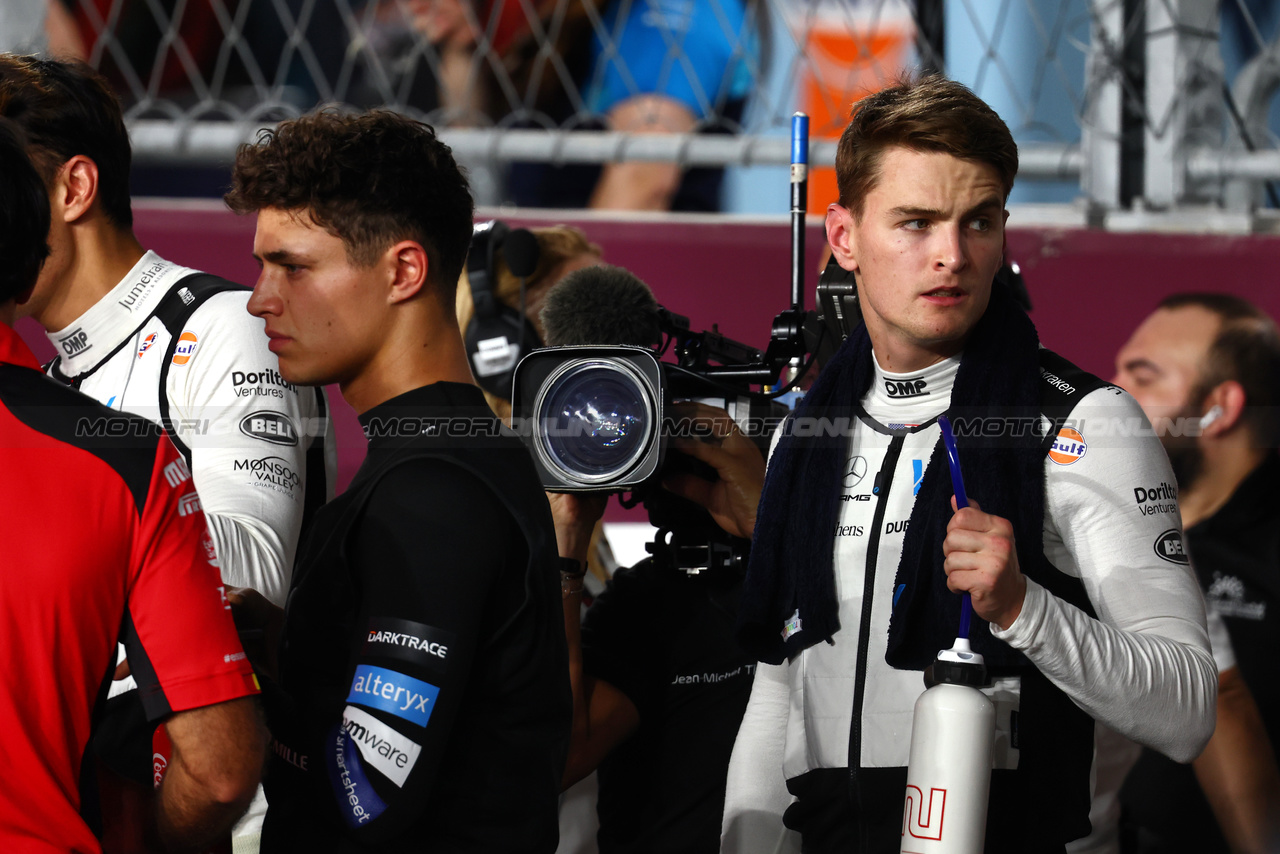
(949, 770)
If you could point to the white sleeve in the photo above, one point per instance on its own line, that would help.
(756, 790)
(248, 431)
(1143, 667)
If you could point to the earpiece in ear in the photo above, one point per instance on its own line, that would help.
(1211, 416)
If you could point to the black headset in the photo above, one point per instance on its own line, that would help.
(498, 336)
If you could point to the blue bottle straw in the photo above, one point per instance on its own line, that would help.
(962, 500)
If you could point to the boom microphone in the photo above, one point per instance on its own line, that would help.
(601, 304)
(521, 251)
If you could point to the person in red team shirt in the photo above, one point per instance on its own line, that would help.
(105, 540)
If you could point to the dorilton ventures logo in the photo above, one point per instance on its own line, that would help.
(1156, 499)
(269, 427)
(265, 382)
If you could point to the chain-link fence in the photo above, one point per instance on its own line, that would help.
(1129, 105)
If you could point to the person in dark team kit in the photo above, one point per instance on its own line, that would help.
(422, 697)
(1213, 360)
(131, 558)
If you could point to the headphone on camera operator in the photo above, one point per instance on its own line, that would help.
(499, 336)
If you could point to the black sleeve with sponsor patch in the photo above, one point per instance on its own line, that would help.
(435, 575)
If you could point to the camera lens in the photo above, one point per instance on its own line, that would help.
(595, 419)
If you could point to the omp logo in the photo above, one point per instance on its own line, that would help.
(856, 470)
(394, 692)
(269, 427)
(186, 348)
(76, 342)
(146, 344)
(910, 387)
(380, 745)
(1068, 447)
(921, 819)
(1169, 546)
(188, 504)
(177, 472)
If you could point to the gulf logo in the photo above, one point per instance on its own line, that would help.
(1068, 447)
(146, 344)
(186, 347)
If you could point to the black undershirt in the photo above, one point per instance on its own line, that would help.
(429, 550)
(665, 639)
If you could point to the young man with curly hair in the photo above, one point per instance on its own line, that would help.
(421, 696)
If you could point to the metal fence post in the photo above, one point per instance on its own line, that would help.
(1184, 98)
(1101, 131)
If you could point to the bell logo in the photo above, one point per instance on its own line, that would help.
(269, 427)
(186, 348)
(1068, 447)
(922, 819)
(1169, 547)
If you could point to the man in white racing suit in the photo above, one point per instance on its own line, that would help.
(1087, 607)
(98, 298)
(176, 346)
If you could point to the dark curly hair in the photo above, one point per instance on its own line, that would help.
(24, 216)
(370, 179)
(65, 109)
(931, 114)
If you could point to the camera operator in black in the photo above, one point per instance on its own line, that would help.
(661, 684)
